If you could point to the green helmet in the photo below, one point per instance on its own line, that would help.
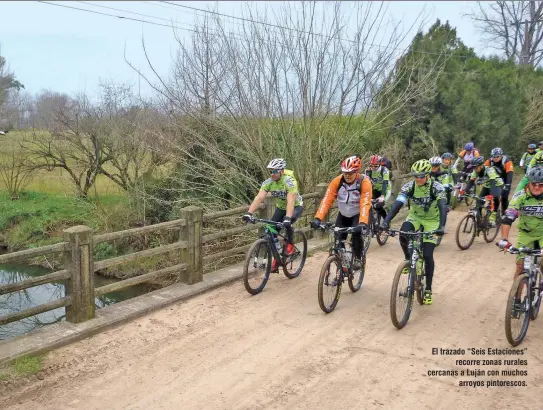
(422, 166)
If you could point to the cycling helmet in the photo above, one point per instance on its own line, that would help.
(447, 155)
(477, 161)
(496, 152)
(535, 175)
(351, 164)
(469, 146)
(277, 163)
(422, 166)
(434, 161)
(375, 160)
(532, 146)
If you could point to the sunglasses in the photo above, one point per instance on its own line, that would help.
(537, 185)
(275, 171)
(419, 176)
(349, 174)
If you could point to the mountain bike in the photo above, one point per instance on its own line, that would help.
(263, 251)
(461, 186)
(374, 228)
(477, 221)
(339, 265)
(520, 310)
(414, 272)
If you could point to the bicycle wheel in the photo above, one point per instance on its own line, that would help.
(258, 259)
(534, 311)
(401, 293)
(357, 276)
(330, 281)
(466, 226)
(420, 284)
(489, 234)
(293, 264)
(382, 236)
(516, 331)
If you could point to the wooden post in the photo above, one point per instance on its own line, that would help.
(80, 286)
(192, 255)
(321, 190)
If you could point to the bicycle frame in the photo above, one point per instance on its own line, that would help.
(268, 234)
(531, 265)
(337, 248)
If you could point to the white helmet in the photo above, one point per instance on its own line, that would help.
(436, 161)
(277, 163)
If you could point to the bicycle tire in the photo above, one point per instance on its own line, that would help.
(325, 272)
(256, 245)
(304, 256)
(534, 310)
(378, 233)
(420, 282)
(486, 232)
(522, 279)
(399, 324)
(466, 218)
(355, 287)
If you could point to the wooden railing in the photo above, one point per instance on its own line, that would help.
(79, 266)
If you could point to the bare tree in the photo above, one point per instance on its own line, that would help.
(303, 86)
(15, 171)
(533, 124)
(513, 27)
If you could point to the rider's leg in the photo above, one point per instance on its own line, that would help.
(407, 226)
(298, 210)
(504, 200)
(380, 206)
(496, 192)
(277, 216)
(343, 222)
(428, 254)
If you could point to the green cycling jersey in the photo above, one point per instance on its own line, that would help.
(487, 175)
(279, 189)
(378, 177)
(423, 199)
(529, 211)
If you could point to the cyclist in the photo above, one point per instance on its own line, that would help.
(446, 165)
(504, 166)
(527, 206)
(380, 180)
(288, 201)
(353, 192)
(467, 154)
(527, 157)
(428, 212)
(492, 184)
(441, 176)
(536, 161)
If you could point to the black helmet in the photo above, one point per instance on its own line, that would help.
(535, 175)
(477, 161)
(447, 155)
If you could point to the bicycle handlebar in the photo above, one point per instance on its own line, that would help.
(266, 221)
(329, 226)
(393, 232)
(524, 249)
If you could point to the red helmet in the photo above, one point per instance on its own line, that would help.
(375, 160)
(351, 164)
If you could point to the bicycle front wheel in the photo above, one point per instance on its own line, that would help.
(256, 270)
(489, 234)
(534, 310)
(517, 318)
(293, 264)
(330, 281)
(357, 276)
(465, 232)
(382, 236)
(420, 284)
(401, 295)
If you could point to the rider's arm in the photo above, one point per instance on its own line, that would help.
(509, 170)
(523, 160)
(292, 193)
(328, 198)
(533, 161)
(258, 200)
(471, 181)
(401, 199)
(365, 200)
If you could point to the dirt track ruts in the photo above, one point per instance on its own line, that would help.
(229, 350)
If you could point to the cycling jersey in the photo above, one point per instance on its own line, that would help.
(487, 175)
(353, 199)
(279, 189)
(423, 199)
(529, 210)
(526, 158)
(504, 167)
(537, 160)
(466, 157)
(378, 178)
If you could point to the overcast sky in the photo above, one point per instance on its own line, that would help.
(67, 50)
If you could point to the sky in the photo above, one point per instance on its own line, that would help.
(69, 51)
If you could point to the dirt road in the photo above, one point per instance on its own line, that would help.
(278, 350)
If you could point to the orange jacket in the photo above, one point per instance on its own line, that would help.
(475, 153)
(349, 197)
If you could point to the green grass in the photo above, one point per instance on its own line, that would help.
(21, 367)
(38, 218)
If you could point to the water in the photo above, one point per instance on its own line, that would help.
(37, 295)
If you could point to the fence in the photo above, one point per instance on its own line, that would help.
(79, 266)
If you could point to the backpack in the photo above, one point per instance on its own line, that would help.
(386, 162)
(412, 192)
